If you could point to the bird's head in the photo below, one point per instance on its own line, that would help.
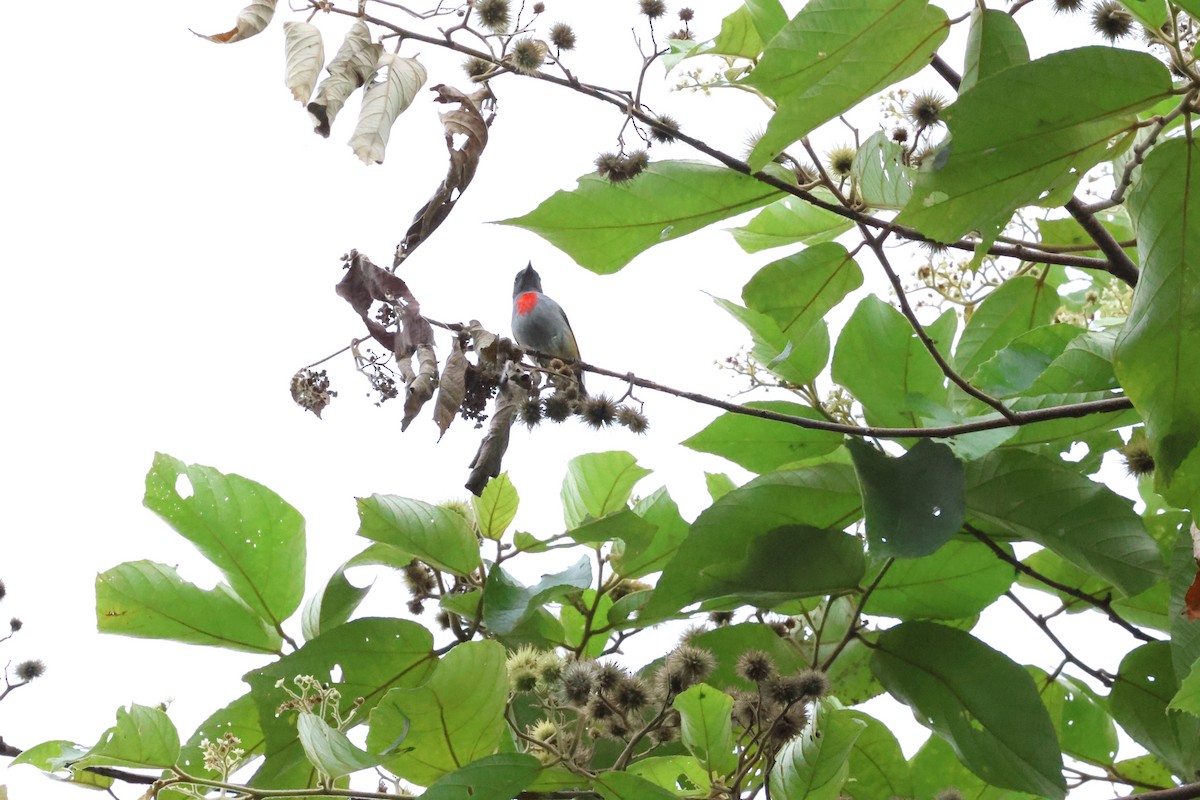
(527, 280)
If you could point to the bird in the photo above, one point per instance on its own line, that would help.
(539, 323)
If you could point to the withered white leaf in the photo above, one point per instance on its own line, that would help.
(353, 66)
(251, 21)
(383, 102)
(305, 56)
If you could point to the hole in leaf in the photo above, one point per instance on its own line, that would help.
(183, 487)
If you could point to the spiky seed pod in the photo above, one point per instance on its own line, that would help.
(443, 619)
(539, 8)
(599, 411)
(900, 134)
(784, 689)
(527, 55)
(597, 708)
(633, 419)
(743, 712)
(1067, 6)
(530, 412)
(557, 407)
(416, 607)
(694, 663)
(631, 694)
(1138, 458)
(577, 682)
(28, 670)
(419, 579)
(475, 67)
(493, 14)
(669, 681)
(682, 35)
(562, 36)
(925, 108)
(720, 618)
(781, 629)
(3, 590)
(653, 8)
(15, 624)
(608, 676)
(841, 161)
(786, 727)
(616, 728)
(619, 168)
(813, 683)
(949, 793)
(543, 730)
(691, 632)
(1111, 20)
(755, 666)
(626, 587)
(665, 128)
(686, 15)
(523, 669)
(549, 669)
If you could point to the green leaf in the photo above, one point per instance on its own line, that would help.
(636, 555)
(879, 172)
(745, 30)
(1028, 496)
(1017, 365)
(1153, 13)
(799, 290)
(151, 601)
(496, 507)
(373, 654)
(328, 748)
(718, 484)
(791, 220)
(1080, 719)
(332, 606)
(1188, 697)
(880, 360)
(1149, 608)
(958, 581)
(438, 536)
(618, 525)
(795, 363)
(1000, 157)
(603, 226)
(143, 737)
(815, 765)
(1158, 351)
(1139, 700)
(706, 728)
(497, 777)
(762, 445)
(878, 770)
(978, 700)
(507, 603)
(598, 484)
(58, 758)
(239, 718)
(682, 774)
(252, 535)
(731, 543)
(913, 503)
(994, 44)
(1018, 305)
(625, 786)
(576, 628)
(1148, 770)
(935, 767)
(835, 53)
(454, 718)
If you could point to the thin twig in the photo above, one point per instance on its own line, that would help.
(1040, 621)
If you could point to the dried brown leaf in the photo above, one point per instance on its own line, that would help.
(452, 388)
(419, 389)
(251, 21)
(466, 132)
(365, 283)
(487, 461)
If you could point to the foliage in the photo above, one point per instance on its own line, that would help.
(924, 469)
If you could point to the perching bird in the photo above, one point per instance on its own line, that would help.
(539, 323)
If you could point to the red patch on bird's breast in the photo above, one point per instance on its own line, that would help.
(526, 302)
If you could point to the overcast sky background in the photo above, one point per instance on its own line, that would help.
(171, 238)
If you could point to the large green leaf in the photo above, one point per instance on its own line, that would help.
(438, 536)
(799, 290)
(598, 484)
(59, 759)
(795, 362)
(143, 737)
(1019, 305)
(454, 718)
(332, 606)
(878, 770)
(1000, 157)
(756, 533)
(1028, 496)
(496, 506)
(1016, 366)
(674, 773)
(1158, 353)
(497, 777)
(791, 220)
(602, 225)
(373, 654)
(994, 44)
(880, 360)
(762, 445)
(636, 555)
(815, 765)
(744, 31)
(507, 602)
(1083, 725)
(835, 53)
(913, 504)
(1145, 686)
(880, 173)
(705, 727)
(151, 601)
(936, 767)
(978, 700)
(253, 536)
(329, 750)
(625, 786)
(958, 581)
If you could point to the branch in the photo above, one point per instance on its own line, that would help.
(1187, 791)
(1040, 621)
(852, 631)
(1102, 603)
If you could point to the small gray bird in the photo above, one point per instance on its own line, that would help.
(539, 323)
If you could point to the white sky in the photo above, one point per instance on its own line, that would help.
(171, 234)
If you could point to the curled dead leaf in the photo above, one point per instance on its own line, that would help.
(353, 66)
(487, 461)
(419, 388)
(304, 56)
(251, 21)
(452, 388)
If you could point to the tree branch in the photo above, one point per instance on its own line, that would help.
(1040, 621)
